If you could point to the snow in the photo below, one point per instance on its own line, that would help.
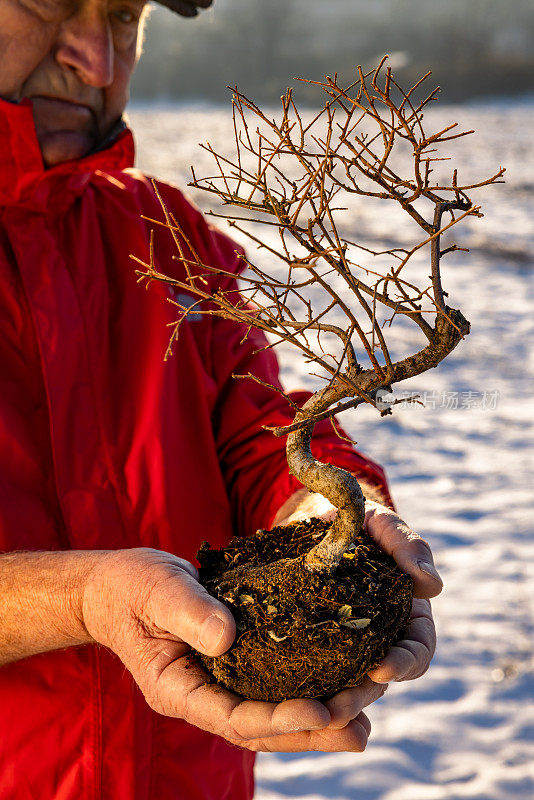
(461, 471)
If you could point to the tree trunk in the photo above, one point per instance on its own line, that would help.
(334, 483)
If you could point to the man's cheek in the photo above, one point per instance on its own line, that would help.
(11, 70)
(18, 60)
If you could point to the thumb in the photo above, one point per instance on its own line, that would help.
(182, 607)
(410, 551)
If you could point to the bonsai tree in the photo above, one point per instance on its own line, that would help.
(336, 301)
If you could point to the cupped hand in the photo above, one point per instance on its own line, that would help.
(149, 608)
(410, 657)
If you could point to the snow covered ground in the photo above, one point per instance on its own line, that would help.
(462, 473)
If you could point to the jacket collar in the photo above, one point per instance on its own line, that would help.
(22, 173)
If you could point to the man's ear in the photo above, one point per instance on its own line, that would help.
(141, 30)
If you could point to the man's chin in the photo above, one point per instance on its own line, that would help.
(59, 146)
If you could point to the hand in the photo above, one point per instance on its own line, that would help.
(409, 658)
(148, 607)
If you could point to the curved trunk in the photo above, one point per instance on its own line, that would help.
(336, 484)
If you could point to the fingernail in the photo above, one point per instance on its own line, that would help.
(211, 632)
(426, 566)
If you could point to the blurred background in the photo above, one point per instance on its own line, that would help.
(476, 48)
(461, 467)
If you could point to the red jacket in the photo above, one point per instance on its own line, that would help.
(104, 445)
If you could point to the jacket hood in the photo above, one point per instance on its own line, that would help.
(23, 177)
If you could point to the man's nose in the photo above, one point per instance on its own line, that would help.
(86, 46)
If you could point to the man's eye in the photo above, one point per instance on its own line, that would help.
(126, 16)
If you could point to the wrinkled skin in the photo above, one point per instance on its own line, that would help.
(74, 60)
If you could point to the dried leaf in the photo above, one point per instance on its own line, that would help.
(344, 613)
(246, 600)
(272, 610)
(356, 624)
(276, 638)
(270, 600)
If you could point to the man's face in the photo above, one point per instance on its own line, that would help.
(73, 59)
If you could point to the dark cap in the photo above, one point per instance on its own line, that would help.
(187, 8)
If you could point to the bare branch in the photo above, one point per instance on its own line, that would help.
(285, 175)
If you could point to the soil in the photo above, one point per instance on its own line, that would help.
(301, 634)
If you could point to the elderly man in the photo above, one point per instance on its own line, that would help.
(115, 466)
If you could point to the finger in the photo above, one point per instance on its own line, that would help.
(346, 705)
(410, 551)
(409, 658)
(179, 604)
(352, 738)
(183, 690)
(188, 567)
(363, 720)
(252, 719)
(400, 663)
